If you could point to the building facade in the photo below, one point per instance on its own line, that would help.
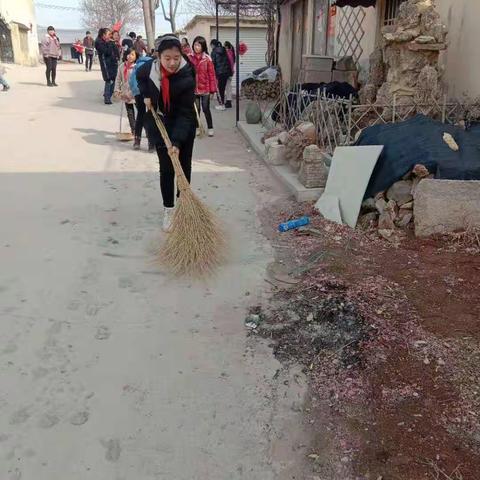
(18, 32)
(253, 32)
(319, 28)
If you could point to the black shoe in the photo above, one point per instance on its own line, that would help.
(136, 143)
(108, 102)
(54, 84)
(228, 104)
(6, 88)
(151, 148)
(49, 84)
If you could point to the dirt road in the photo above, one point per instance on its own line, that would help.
(110, 369)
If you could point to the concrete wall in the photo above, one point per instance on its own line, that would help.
(21, 11)
(462, 65)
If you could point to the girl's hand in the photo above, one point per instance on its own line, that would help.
(172, 151)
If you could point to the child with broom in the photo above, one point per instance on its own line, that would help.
(205, 79)
(122, 85)
(168, 87)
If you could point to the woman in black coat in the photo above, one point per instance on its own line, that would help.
(223, 69)
(108, 57)
(168, 86)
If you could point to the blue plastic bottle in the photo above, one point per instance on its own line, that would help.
(299, 222)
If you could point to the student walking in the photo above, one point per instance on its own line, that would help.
(140, 104)
(122, 85)
(51, 52)
(231, 60)
(108, 58)
(206, 82)
(128, 41)
(168, 86)
(89, 45)
(140, 46)
(222, 70)
(186, 48)
(79, 48)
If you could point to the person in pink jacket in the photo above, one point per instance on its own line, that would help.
(206, 81)
(51, 52)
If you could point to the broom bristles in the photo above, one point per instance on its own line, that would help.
(196, 245)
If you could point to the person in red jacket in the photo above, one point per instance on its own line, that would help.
(206, 81)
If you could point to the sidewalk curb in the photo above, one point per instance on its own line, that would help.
(253, 135)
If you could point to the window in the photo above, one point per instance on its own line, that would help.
(391, 11)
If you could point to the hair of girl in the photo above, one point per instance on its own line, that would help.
(128, 52)
(201, 41)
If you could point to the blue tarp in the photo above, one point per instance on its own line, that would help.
(420, 140)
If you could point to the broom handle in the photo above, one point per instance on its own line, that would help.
(182, 181)
(121, 115)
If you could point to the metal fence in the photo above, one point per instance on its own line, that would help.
(340, 121)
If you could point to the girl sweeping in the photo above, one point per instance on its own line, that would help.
(122, 86)
(205, 79)
(168, 86)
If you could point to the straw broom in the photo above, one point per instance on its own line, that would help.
(196, 244)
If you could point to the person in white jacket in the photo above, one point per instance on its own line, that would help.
(51, 52)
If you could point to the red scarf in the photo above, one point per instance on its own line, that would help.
(165, 86)
(126, 67)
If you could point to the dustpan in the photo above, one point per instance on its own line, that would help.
(123, 136)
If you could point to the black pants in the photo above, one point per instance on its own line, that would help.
(80, 58)
(131, 115)
(51, 72)
(141, 112)
(167, 173)
(88, 61)
(222, 85)
(108, 90)
(203, 104)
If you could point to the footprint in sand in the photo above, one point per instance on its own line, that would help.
(113, 450)
(103, 333)
(20, 416)
(79, 418)
(48, 421)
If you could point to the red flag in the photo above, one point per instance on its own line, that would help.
(117, 26)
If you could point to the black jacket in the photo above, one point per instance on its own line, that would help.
(221, 63)
(108, 57)
(180, 119)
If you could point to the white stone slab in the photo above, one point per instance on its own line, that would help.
(329, 207)
(348, 178)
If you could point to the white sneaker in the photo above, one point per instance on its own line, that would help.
(220, 107)
(198, 132)
(210, 132)
(167, 219)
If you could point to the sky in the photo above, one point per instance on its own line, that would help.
(73, 19)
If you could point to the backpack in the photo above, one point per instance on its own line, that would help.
(132, 82)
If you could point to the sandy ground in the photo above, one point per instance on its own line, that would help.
(110, 369)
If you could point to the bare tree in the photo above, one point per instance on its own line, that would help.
(105, 13)
(206, 7)
(170, 12)
(149, 19)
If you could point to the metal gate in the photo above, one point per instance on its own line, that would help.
(350, 32)
(6, 48)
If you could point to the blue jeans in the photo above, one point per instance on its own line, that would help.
(3, 82)
(108, 90)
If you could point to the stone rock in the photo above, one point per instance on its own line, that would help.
(425, 39)
(392, 209)
(313, 175)
(450, 141)
(270, 141)
(401, 192)
(283, 138)
(276, 154)
(407, 206)
(368, 94)
(308, 130)
(420, 171)
(443, 206)
(253, 113)
(380, 205)
(385, 221)
(377, 69)
(367, 221)
(404, 218)
(312, 154)
(368, 205)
